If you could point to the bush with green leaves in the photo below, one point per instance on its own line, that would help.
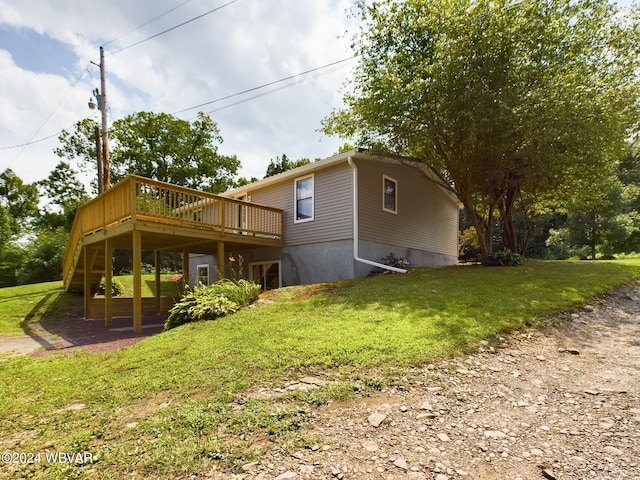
(211, 302)
(505, 258)
(393, 261)
(116, 288)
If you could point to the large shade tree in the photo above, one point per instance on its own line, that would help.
(513, 102)
(158, 146)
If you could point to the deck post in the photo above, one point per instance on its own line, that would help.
(137, 281)
(158, 289)
(133, 205)
(87, 283)
(220, 259)
(185, 268)
(108, 276)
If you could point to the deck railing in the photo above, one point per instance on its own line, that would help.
(137, 198)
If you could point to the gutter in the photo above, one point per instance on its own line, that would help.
(356, 226)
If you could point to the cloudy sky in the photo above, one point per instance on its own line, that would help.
(47, 75)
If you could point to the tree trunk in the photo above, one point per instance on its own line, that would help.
(484, 229)
(509, 231)
(592, 243)
(526, 234)
(510, 238)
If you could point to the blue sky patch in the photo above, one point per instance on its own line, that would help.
(35, 52)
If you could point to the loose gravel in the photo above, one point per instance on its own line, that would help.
(560, 403)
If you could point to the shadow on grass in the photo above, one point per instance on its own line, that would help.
(62, 327)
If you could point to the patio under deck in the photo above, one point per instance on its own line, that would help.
(146, 215)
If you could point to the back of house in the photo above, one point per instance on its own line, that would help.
(343, 216)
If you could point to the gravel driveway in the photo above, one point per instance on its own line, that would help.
(559, 404)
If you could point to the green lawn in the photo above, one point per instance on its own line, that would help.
(171, 405)
(26, 304)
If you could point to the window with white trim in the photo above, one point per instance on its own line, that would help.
(389, 194)
(203, 275)
(303, 206)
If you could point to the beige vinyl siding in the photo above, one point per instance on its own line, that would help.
(426, 218)
(332, 212)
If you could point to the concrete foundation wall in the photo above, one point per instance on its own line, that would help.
(196, 259)
(304, 264)
(317, 262)
(417, 258)
(326, 261)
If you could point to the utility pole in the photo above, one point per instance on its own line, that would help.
(99, 160)
(104, 176)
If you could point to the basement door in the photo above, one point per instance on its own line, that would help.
(266, 274)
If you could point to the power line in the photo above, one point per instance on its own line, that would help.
(33, 142)
(249, 90)
(244, 100)
(146, 23)
(283, 87)
(174, 27)
(30, 141)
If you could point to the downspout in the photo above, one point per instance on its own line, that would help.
(356, 257)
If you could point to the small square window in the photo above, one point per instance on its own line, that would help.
(389, 195)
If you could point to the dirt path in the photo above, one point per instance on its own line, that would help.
(564, 404)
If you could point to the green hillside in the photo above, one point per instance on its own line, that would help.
(173, 405)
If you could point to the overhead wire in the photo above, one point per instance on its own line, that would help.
(265, 85)
(30, 140)
(146, 23)
(243, 92)
(174, 27)
(217, 100)
(33, 142)
(283, 87)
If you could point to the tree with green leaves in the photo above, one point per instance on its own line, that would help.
(512, 102)
(592, 222)
(282, 164)
(43, 260)
(19, 200)
(64, 193)
(605, 218)
(158, 146)
(18, 209)
(12, 255)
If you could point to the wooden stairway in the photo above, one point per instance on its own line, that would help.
(91, 259)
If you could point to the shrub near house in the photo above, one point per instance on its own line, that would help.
(212, 302)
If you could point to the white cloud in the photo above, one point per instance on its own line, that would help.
(243, 45)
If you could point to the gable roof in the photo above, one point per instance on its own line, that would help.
(358, 154)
